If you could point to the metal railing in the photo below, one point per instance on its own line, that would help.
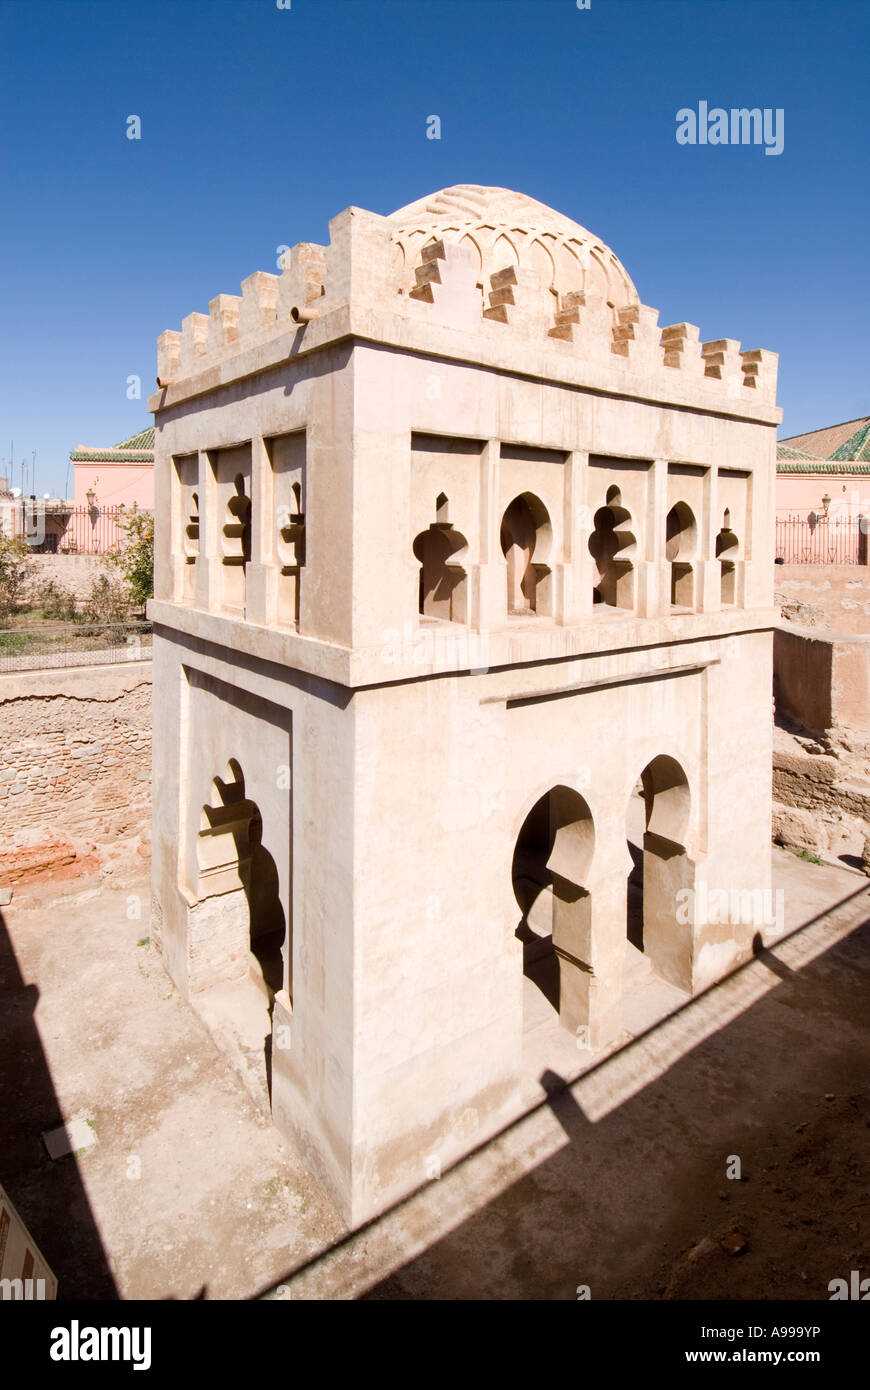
(83, 531)
(52, 528)
(822, 540)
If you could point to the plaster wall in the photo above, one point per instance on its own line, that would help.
(114, 484)
(798, 495)
(417, 745)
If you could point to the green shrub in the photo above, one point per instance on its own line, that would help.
(15, 565)
(135, 557)
(54, 600)
(108, 601)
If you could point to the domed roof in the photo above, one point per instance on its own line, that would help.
(506, 228)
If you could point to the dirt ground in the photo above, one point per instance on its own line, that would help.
(616, 1182)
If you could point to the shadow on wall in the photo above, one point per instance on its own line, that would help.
(49, 1195)
(231, 852)
(268, 922)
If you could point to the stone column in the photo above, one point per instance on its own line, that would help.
(260, 578)
(489, 598)
(668, 921)
(577, 569)
(208, 566)
(177, 520)
(708, 586)
(654, 579)
(588, 938)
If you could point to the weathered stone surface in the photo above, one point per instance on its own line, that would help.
(75, 767)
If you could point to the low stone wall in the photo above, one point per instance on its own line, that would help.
(75, 769)
(821, 680)
(75, 572)
(821, 800)
(836, 596)
(821, 755)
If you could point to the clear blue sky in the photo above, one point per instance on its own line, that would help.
(259, 124)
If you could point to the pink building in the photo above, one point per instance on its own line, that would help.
(825, 472)
(120, 476)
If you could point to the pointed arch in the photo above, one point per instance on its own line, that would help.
(681, 542)
(661, 870)
(727, 553)
(526, 536)
(613, 547)
(550, 869)
(232, 859)
(442, 551)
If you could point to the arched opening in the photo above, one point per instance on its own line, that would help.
(657, 822)
(612, 546)
(681, 539)
(267, 921)
(237, 525)
(525, 539)
(551, 862)
(190, 545)
(727, 553)
(231, 856)
(191, 529)
(291, 556)
(441, 550)
(247, 928)
(635, 826)
(236, 544)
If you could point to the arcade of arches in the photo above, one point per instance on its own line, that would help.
(551, 871)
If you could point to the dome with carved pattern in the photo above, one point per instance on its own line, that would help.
(505, 228)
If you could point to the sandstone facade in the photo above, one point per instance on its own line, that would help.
(456, 549)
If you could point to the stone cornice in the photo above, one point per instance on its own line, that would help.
(493, 347)
(444, 649)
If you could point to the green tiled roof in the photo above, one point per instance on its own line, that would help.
(852, 456)
(139, 448)
(143, 440)
(856, 449)
(838, 469)
(788, 451)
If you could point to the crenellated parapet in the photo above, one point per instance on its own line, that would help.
(268, 304)
(484, 262)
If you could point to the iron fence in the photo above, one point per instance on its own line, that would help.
(60, 530)
(822, 540)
